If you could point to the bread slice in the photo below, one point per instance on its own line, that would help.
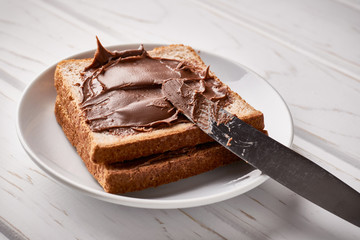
(151, 171)
(107, 148)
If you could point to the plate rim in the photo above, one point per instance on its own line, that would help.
(134, 201)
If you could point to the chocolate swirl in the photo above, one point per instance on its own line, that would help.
(121, 90)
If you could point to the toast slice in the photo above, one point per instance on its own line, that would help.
(104, 147)
(150, 171)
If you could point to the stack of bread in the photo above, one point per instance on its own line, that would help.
(128, 135)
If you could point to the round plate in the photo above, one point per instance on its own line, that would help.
(46, 144)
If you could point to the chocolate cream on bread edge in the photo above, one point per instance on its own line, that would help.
(121, 90)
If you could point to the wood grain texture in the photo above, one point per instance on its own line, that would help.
(308, 50)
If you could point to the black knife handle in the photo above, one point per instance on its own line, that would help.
(289, 168)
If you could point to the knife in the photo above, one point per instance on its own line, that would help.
(279, 162)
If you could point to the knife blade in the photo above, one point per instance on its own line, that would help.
(279, 162)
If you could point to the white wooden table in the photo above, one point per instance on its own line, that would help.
(309, 51)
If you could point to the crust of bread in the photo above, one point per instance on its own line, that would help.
(108, 148)
(149, 171)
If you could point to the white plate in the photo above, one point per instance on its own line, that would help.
(46, 144)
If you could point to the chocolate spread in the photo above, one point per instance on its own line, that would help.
(201, 106)
(121, 90)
